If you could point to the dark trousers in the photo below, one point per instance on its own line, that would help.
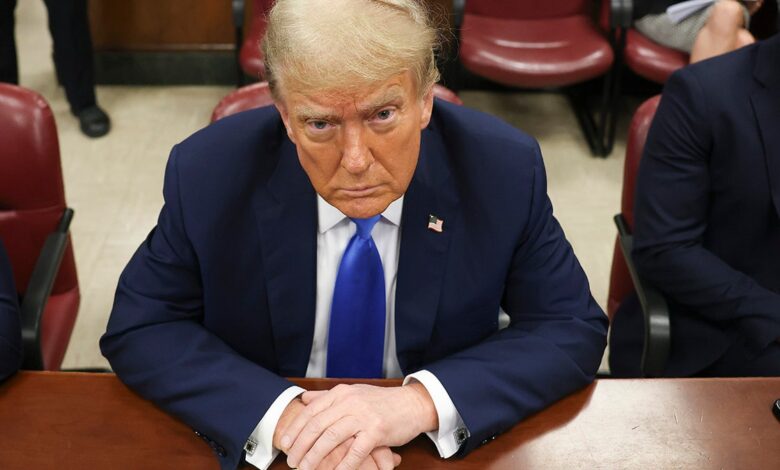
(72, 49)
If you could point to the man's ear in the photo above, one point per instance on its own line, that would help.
(427, 109)
(285, 118)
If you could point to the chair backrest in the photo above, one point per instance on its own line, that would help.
(258, 95)
(251, 53)
(526, 9)
(32, 201)
(620, 285)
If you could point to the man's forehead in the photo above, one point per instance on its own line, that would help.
(364, 99)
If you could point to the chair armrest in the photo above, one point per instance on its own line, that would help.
(38, 290)
(655, 353)
(621, 13)
(238, 13)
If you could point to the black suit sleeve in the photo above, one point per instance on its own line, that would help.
(10, 326)
(671, 210)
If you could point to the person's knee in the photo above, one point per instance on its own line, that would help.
(725, 17)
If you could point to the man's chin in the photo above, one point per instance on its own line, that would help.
(362, 208)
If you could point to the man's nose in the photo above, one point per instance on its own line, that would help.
(356, 157)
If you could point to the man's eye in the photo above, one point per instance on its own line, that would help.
(319, 125)
(385, 114)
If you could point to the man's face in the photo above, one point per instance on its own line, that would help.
(359, 148)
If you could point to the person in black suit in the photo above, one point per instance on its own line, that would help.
(10, 328)
(707, 219)
(72, 59)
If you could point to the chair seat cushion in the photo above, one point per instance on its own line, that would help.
(552, 52)
(651, 60)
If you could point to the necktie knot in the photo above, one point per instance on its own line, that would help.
(364, 226)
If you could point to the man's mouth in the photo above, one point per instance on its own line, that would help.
(360, 191)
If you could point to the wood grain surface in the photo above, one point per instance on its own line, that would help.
(63, 420)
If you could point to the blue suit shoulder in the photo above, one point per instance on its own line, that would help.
(221, 164)
(466, 130)
(492, 161)
(462, 125)
(242, 143)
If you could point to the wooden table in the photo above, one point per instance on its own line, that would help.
(92, 421)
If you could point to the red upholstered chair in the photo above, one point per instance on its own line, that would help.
(624, 279)
(250, 55)
(258, 94)
(533, 44)
(642, 55)
(649, 59)
(655, 62)
(247, 97)
(34, 226)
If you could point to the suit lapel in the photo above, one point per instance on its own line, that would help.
(287, 220)
(766, 106)
(423, 252)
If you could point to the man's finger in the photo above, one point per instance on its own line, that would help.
(367, 464)
(358, 451)
(312, 430)
(383, 457)
(293, 429)
(334, 458)
(340, 431)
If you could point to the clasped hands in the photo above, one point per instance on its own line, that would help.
(351, 427)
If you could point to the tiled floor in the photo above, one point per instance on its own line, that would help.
(114, 183)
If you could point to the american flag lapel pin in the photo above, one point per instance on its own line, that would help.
(436, 224)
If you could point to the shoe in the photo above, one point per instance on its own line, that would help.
(94, 121)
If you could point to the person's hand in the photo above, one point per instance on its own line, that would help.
(369, 417)
(381, 458)
(288, 415)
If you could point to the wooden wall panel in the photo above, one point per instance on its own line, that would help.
(153, 25)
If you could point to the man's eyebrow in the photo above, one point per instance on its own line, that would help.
(393, 96)
(305, 113)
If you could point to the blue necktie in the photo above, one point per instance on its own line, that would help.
(356, 338)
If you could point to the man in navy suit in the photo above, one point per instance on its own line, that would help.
(243, 279)
(10, 327)
(707, 219)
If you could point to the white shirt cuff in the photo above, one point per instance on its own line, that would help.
(452, 431)
(259, 448)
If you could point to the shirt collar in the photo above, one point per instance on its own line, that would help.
(329, 216)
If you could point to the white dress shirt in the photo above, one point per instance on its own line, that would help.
(334, 232)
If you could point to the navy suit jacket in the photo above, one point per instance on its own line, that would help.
(707, 212)
(10, 323)
(218, 304)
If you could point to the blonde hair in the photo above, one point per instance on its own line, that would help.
(318, 45)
